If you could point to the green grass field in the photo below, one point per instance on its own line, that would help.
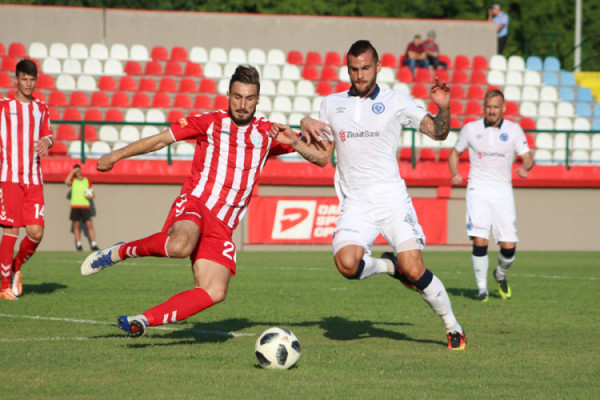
(371, 339)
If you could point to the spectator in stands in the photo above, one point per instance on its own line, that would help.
(81, 195)
(433, 52)
(492, 142)
(25, 134)
(231, 150)
(501, 19)
(363, 125)
(415, 55)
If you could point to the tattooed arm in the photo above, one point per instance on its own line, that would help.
(438, 127)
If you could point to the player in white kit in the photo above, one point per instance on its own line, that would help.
(364, 126)
(492, 142)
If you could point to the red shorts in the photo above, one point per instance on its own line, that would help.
(21, 205)
(215, 241)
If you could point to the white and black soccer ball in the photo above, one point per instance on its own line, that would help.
(88, 193)
(277, 348)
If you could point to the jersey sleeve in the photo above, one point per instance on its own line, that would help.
(461, 142)
(408, 111)
(193, 127)
(521, 146)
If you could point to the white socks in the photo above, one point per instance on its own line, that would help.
(375, 266)
(480, 268)
(503, 265)
(436, 296)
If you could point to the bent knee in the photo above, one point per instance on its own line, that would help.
(348, 271)
(217, 295)
(178, 247)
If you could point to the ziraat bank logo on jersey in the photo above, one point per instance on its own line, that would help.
(304, 219)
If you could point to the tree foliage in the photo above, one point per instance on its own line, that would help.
(542, 27)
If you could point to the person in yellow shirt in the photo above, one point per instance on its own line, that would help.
(81, 194)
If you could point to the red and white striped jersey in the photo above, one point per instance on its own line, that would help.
(21, 125)
(227, 162)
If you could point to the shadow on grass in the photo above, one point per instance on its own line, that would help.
(43, 288)
(468, 293)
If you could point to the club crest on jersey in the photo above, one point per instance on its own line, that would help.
(504, 136)
(470, 226)
(378, 108)
(343, 135)
(256, 138)
(183, 122)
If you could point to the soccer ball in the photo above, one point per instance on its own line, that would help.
(277, 348)
(88, 193)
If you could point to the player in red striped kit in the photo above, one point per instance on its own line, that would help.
(25, 134)
(231, 150)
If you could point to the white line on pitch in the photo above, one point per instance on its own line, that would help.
(91, 322)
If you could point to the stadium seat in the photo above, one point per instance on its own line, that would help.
(78, 51)
(17, 50)
(342, 87)
(566, 94)
(264, 105)
(129, 134)
(159, 53)
(133, 68)
(313, 58)
(514, 78)
(98, 149)
(295, 57)
(462, 61)
(65, 82)
(304, 88)
(310, 73)
(565, 109)
(98, 51)
(173, 68)
(329, 73)
(220, 102)
(217, 55)
(473, 108)
(127, 84)
(532, 78)
(140, 100)
(583, 110)
(139, 52)
(187, 85)
(282, 103)
(445, 59)
(548, 93)
(457, 92)
(534, 63)
(178, 53)
(38, 94)
(427, 154)
(516, 63)
(202, 102)
(78, 99)
(512, 92)
(420, 91)
(290, 72)
(495, 77)
(167, 85)
(66, 132)
(542, 156)
(387, 75)
(316, 103)
(2, 50)
(36, 50)
(527, 124)
(107, 83)
(44, 81)
(596, 112)
(545, 123)
(108, 133)
(113, 67)
(50, 65)
(404, 74)
(93, 114)
(134, 115)
(580, 157)
(119, 99)
(551, 63)
(56, 98)
(584, 94)
(58, 50)
(480, 62)
(550, 78)
(333, 59)
(324, 88)
(182, 101)
(460, 76)
(581, 141)
(58, 149)
(267, 87)
(530, 93)
(498, 62)
(75, 149)
(161, 100)
(405, 154)
(442, 75)
(6, 81)
(511, 108)
(475, 92)
(301, 104)
(528, 109)
(596, 137)
(118, 51)
(92, 66)
(99, 99)
(207, 86)
(567, 79)
(276, 57)
(422, 75)
(147, 85)
(544, 140)
(257, 56)
(213, 70)
(155, 115)
(192, 69)
(153, 68)
(545, 109)
(456, 107)
(198, 55)
(432, 108)
(114, 115)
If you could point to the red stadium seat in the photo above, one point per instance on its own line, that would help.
(167, 85)
(114, 115)
(324, 88)
(93, 114)
(460, 76)
(44, 81)
(207, 85)
(456, 107)
(91, 135)
(457, 92)
(107, 83)
(187, 85)
(473, 108)
(140, 100)
(310, 73)
(432, 108)
(38, 94)
(527, 124)
(446, 59)
(478, 77)
(66, 132)
(159, 53)
(404, 74)
(182, 101)
(54, 114)
(57, 98)
(426, 154)
(493, 87)
(342, 86)
(329, 74)
(467, 120)
(161, 100)
(313, 58)
(480, 62)
(420, 91)
(99, 99)
(295, 57)
(202, 102)
(512, 108)
(475, 92)
(530, 140)
(423, 75)
(133, 68)
(17, 50)
(127, 84)
(6, 81)
(58, 149)
(443, 154)
(221, 103)
(192, 69)
(454, 122)
(464, 156)
(8, 64)
(179, 53)
(2, 50)
(119, 99)
(333, 59)
(153, 68)
(147, 85)
(461, 62)
(173, 68)
(389, 60)
(175, 115)
(405, 154)
(71, 114)
(442, 75)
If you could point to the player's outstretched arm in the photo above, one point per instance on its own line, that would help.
(318, 153)
(142, 146)
(453, 164)
(438, 127)
(528, 163)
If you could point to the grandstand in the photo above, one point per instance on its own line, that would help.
(109, 89)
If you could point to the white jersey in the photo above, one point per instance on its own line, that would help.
(491, 152)
(367, 133)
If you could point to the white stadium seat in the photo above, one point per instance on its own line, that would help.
(134, 115)
(212, 70)
(71, 66)
(99, 148)
(548, 93)
(290, 72)
(65, 82)
(99, 51)
(74, 149)
(301, 104)
(92, 66)
(113, 67)
(286, 87)
(495, 77)
(512, 93)
(37, 50)
(265, 104)
(119, 51)
(58, 50)
(267, 87)
(516, 63)
(217, 55)
(198, 55)
(149, 130)
(237, 56)
(139, 52)
(304, 88)
(276, 57)
(282, 103)
(278, 117)
(155, 115)
(86, 83)
(514, 78)
(544, 140)
(498, 62)
(108, 133)
(129, 133)
(79, 51)
(257, 57)
(272, 72)
(532, 78)
(51, 65)
(530, 93)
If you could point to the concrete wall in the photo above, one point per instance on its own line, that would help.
(49, 24)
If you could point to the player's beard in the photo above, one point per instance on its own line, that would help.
(369, 86)
(241, 121)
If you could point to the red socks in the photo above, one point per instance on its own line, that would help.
(7, 246)
(179, 307)
(153, 245)
(26, 250)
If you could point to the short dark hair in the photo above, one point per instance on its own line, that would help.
(361, 46)
(493, 93)
(26, 66)
(245, 74)
(76, 166)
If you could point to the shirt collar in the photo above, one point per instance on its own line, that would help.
(499, 125)
(372, 96)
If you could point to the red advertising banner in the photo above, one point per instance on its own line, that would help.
(311, 220)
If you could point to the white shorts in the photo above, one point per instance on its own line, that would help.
(495, 210)
(392, 215)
